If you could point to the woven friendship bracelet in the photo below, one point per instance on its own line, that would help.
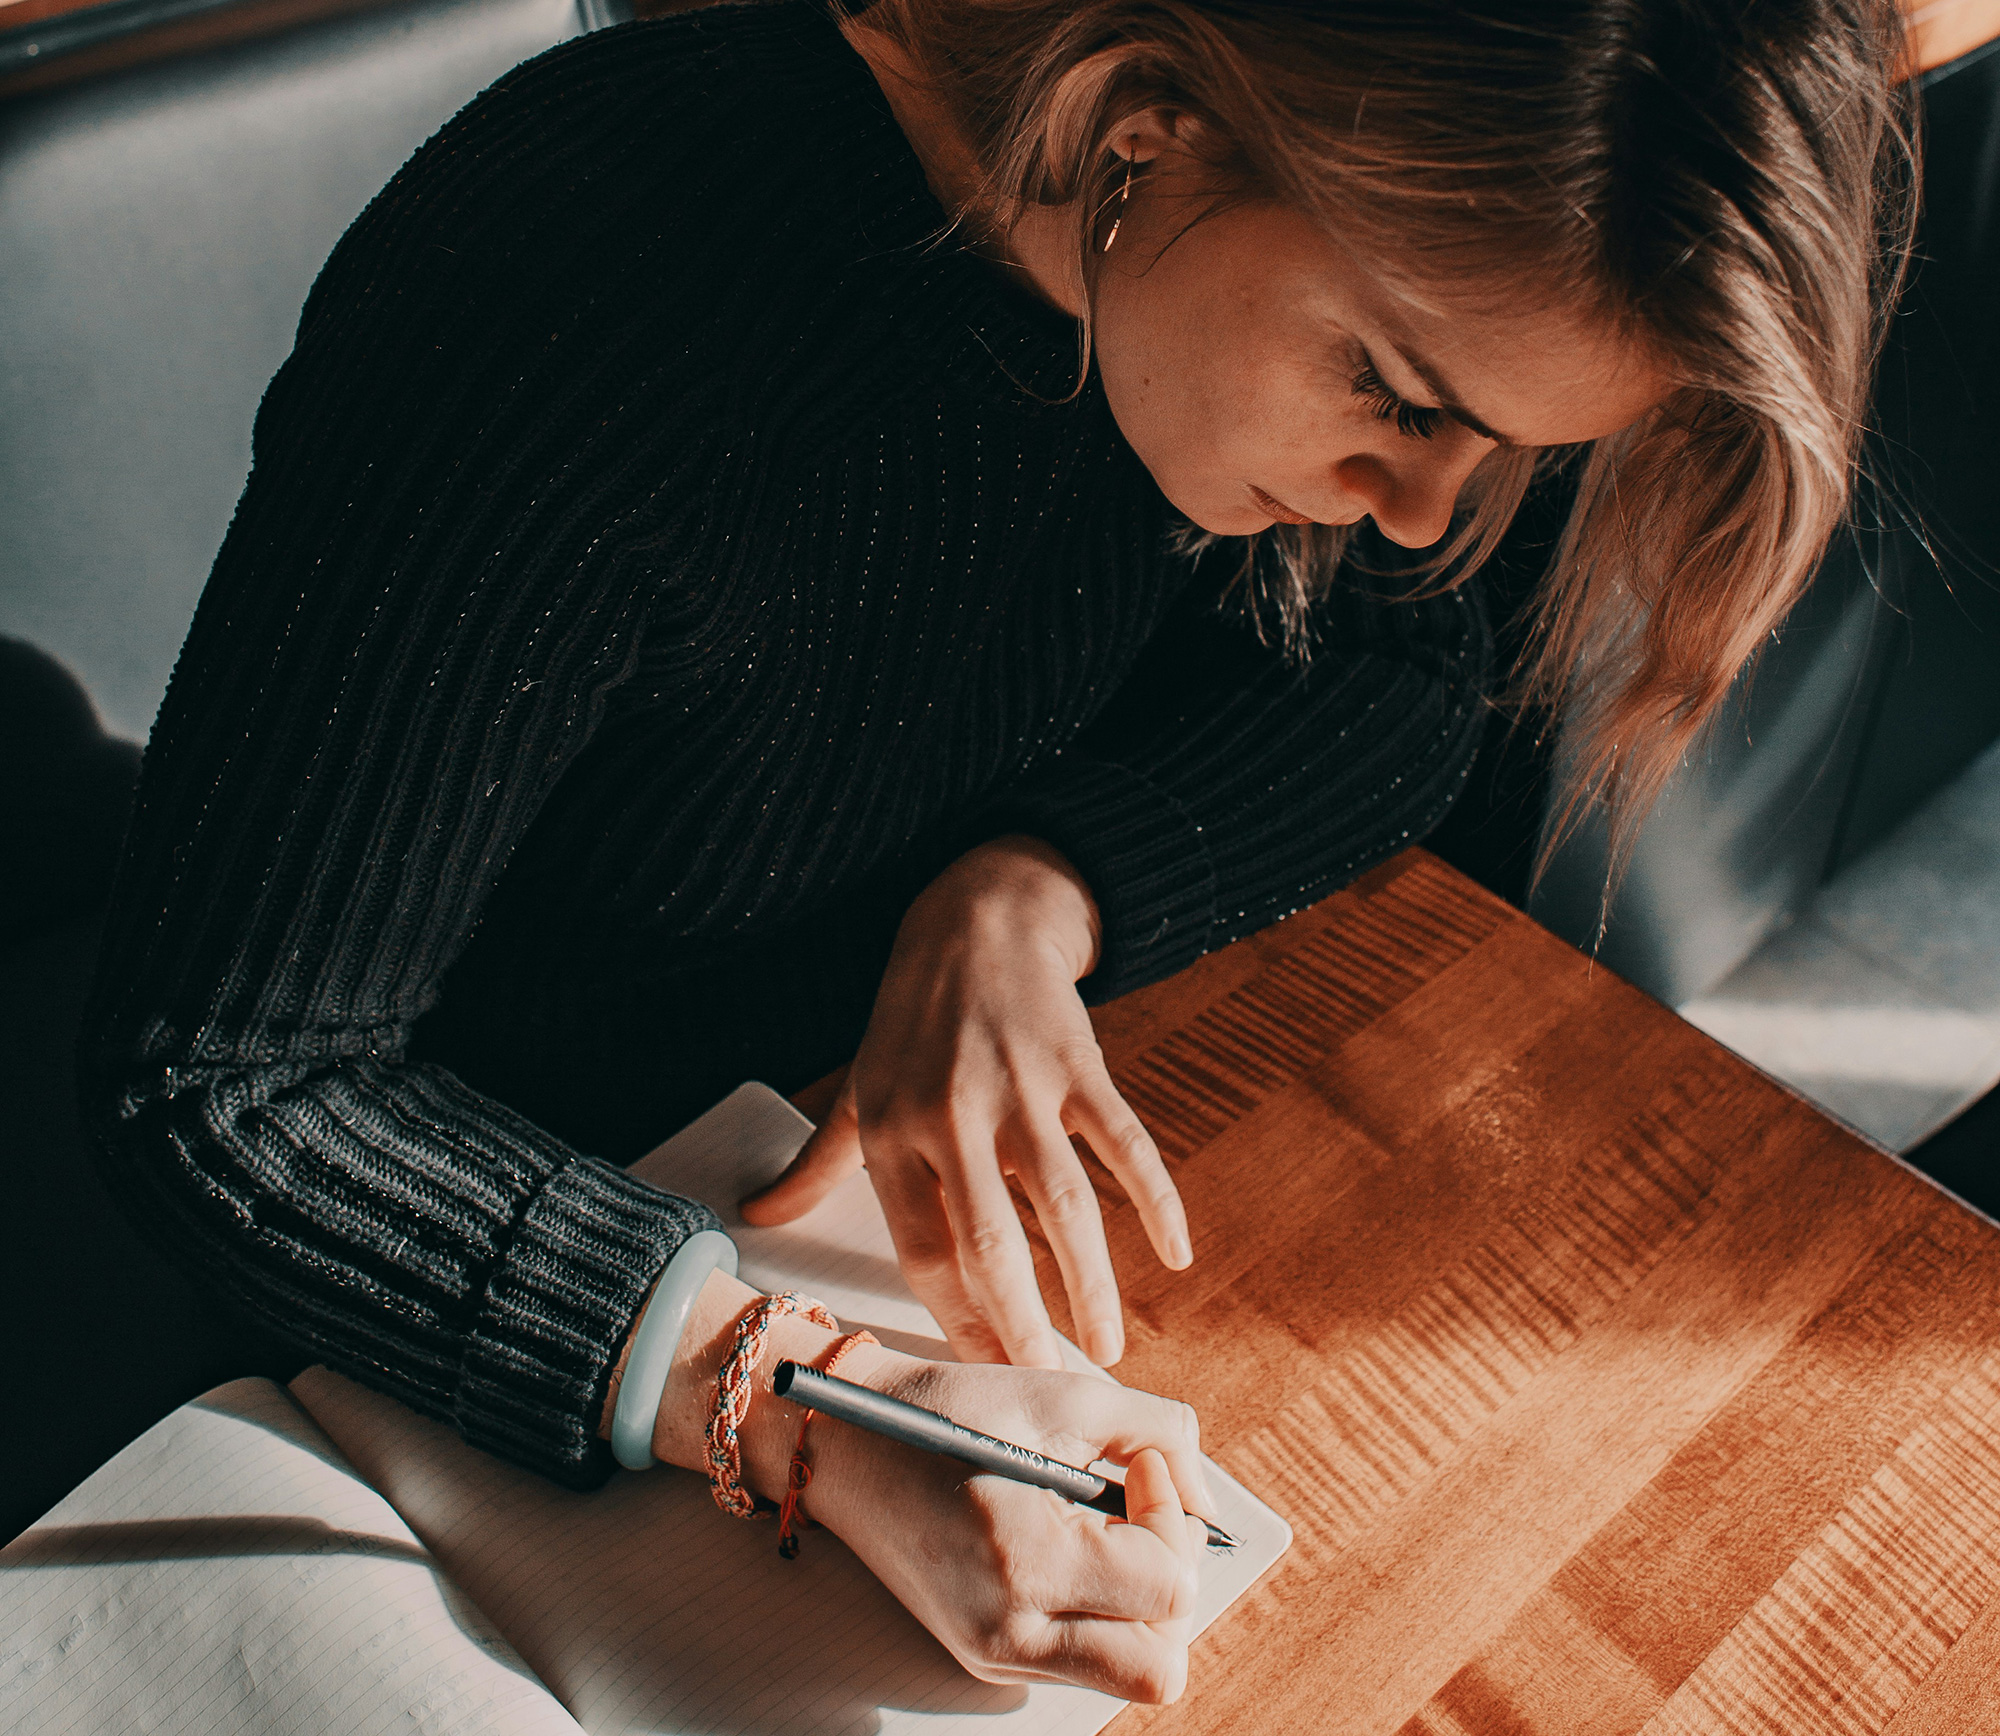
(732, 1395)
(801, 1474)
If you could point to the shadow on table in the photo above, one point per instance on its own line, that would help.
(105, 1335)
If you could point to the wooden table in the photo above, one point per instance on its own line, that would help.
(1608, 1386)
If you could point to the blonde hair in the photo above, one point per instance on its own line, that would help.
(1728, 184)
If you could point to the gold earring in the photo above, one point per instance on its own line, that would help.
(1124, 194)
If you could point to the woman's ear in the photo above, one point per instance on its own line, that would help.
(1151, 133)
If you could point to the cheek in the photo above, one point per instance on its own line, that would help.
(1204, 401)
(1158, 378)
(1302, 417)
(1286, 422)
(1176, 348)
(1214, 393)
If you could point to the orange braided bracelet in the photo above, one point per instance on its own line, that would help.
(789, 1516)
(732, 1395)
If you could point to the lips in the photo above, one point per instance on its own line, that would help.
(1276, 508)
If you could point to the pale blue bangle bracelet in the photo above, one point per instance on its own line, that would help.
(661, 1324)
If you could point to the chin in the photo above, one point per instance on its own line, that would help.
(1233, 524)
(1217, 517)
(1220, 511)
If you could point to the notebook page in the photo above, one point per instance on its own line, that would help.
(840, 1253)
(647, 1610)
(228, 1574)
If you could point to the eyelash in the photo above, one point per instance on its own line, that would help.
(1418, 420)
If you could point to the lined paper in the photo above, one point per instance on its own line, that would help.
(643, 1607)
(840, 1253)
(238, 1572)
(228, 1574)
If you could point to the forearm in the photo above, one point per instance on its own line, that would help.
(1226, 786)
(410, 1233)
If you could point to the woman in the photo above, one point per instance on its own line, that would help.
(782, 531)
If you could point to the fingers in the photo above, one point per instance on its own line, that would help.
(993, 1254)
(1153, 1504)
(1139, 1584)
(1146, 1569)
(827, 1159)
(1131, 1660)
(1066, 1204)
(926, 1249)
(1122, 1423)
(1124, 1147)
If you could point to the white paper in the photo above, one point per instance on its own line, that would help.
(228, 1574)
(235, 1573)
(840, 1253)
(647, 1610)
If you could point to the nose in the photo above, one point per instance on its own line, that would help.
(1410, 496)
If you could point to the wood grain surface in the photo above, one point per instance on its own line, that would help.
(1608, 1387)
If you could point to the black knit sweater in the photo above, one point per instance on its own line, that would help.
(659, 548)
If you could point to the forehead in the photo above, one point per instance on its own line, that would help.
(1531, 360)
(1542, 373)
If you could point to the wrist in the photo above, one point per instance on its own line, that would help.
(847, 1462)
(639, 1380)
(770, 1433)
(1023, 888)
(770, 1429)
(688, 1398)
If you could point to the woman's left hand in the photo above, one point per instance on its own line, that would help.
(980, 1062)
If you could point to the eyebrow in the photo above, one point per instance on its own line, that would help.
(1446, 400)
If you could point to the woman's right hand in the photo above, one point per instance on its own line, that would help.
(1019, 1585)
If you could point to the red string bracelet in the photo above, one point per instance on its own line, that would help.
(789, 1516)
(732, 1396)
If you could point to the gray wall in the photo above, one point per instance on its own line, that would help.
(1744, 835)
(159, 230)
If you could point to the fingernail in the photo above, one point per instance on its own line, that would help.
(1107, 1344)
(1180, 1252)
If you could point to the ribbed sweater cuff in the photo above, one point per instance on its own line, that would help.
(1142, 856)
(538, 1364)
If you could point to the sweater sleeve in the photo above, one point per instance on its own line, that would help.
(435, 579)
(1228, 784)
